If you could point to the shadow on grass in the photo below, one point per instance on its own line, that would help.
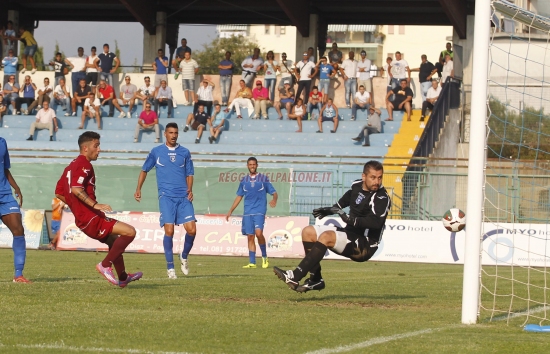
(359, 297)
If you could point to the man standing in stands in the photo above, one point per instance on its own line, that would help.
(78, 70)
(92, 67)
(399, 70)
(31, 46)
(251, 65)
(10, 66)
(304, 70)
(364, 71)
(160, 65)
(425, 72)
(106, 60)
(335, 56)
(180, 53)
(286, 71)
(348, 70)
(189, 68)
(226, 77)
(60, 67)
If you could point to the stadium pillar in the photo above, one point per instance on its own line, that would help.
(303, 43)
(467, 45)
(152, 42)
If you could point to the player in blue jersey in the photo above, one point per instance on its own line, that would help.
(174, 170)
(11, 214)
(254, 188)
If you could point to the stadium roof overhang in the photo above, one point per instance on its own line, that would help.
(282, 12)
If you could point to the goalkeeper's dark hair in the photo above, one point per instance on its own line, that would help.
(171, 125)
(87, 137)
(251, 159)
(373, 164)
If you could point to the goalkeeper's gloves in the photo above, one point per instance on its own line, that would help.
(322, 212)
(345, 217)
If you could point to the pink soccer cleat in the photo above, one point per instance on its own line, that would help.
(107, 273)
(131, 277)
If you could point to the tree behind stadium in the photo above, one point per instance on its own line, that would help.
(209, 58)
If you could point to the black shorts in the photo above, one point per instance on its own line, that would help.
(358, 248)
(91, 78)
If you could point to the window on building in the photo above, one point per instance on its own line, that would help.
(283, 29)
(277, 31)
(267, 29)
(390, 55)
(401, 29)
(390, 29)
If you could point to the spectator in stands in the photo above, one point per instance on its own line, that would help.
(448, 50)
(364, 72)
(109, 97)
(31, 46)
(45, 119)
(3, 107)
(226, 77)
(386, 70)
(285, 68)
(335, 56)
(198, 122)
(327, 72)
(286, 98)
(217, 124)
(189, 68)
(163, 97)
(9, 37)
(402, 100)
(146, 92)
(362, 101)
(261, 100)
(448, 69)
(106, 60)
(61, 96)
(251, 65)
(127, 95)
(399, 70)
(205, 96)
(11, 92)
(92, 69)
(176, 64)
(270, 78)
(315, 101)
(80, 95)
(431, 98)
(425, 72)
(10, 66)
(60, 68)
(180, 51)
(78, 71)
(242, 100)
(160, 65)
(44, 95)
(329, 112)
(148, 120)
(373, 71)
(348, 70)
(29, 94)
(311, 54)
(92, 110)
(304, 70)
(373, 126)
(299, 113)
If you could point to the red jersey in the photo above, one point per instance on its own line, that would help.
(106, 92)
(79, 173)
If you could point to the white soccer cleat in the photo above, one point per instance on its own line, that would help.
(184, 266)
(172, 274)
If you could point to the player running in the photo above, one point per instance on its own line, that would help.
(11, 214)
(369, 204)
(254, 188)
(76, 188)
(174, 170)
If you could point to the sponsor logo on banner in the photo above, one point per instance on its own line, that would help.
(33, 223)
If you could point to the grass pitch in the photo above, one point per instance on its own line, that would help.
(222, 308)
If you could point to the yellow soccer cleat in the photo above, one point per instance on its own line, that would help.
(250, 266)
(265, 262)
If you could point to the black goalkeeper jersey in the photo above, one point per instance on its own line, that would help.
(369, 209)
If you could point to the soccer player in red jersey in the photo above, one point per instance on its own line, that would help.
(76, 188)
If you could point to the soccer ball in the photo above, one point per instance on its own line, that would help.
(454, 220)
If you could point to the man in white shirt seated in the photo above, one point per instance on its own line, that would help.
(147, 92)
(44, 94)
(62, 96)
(431, 98)
(92, 110)
(163, 97)
(204, 96)
(45, 119)
(127, 95)
(361, 100)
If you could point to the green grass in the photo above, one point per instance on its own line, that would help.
(221, 308)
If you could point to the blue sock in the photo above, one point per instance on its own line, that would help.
(252, 257)
(19, 254)
(264, 251)
(168, 243)
(187, 245)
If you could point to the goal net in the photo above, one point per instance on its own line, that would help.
(515, 252)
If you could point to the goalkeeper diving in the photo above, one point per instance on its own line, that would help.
(369, 204)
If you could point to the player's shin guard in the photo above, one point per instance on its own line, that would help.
(187, 245)
(315, 272)
(118, 248)
(168, 243)
(264, 250)
(310, 261)
(19, 254)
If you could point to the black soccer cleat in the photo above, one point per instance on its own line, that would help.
(311, 285)
(287, 276)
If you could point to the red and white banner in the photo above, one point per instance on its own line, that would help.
(215, 236)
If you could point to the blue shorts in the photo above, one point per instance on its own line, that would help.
(8, 205)
(56, 224)
(30, 50)
(188, 84)
(251, 223)
(175, 210)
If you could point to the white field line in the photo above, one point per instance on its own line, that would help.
(86, 349)
(522, 313)
(101, 280)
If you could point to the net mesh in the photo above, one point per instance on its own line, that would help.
(516, 248)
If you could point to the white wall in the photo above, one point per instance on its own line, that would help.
(277, 43)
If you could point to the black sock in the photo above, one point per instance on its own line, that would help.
(310, 261)
(315, 272)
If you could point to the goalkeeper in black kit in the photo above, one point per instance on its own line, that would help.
(369, 205)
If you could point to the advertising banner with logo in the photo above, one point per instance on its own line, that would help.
(430, 242)
(215, 236)
(33, 222)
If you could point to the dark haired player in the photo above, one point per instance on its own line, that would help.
(174, 170)
(254, 188)
(369, 204)
(76, 188)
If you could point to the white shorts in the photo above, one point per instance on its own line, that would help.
(341, 237)
(95, 102)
